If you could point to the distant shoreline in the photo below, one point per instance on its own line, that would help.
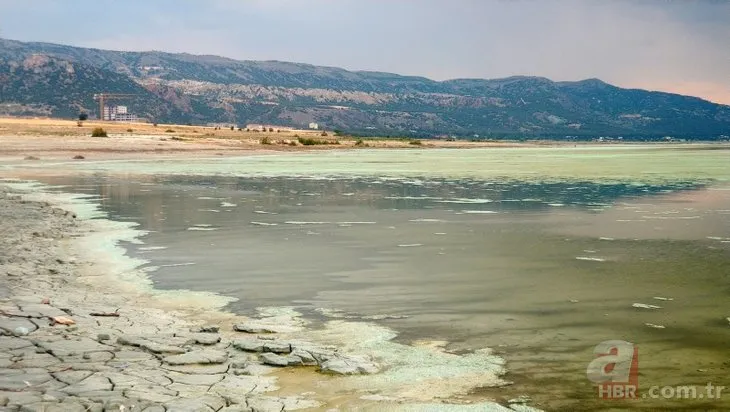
(54, 139)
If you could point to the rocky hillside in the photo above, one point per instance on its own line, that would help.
(43, 85)
(60, 80)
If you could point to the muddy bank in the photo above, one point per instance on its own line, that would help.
(81, 329)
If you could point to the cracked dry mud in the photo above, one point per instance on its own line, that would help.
(119, 355)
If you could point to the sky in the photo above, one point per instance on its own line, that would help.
(680, 46)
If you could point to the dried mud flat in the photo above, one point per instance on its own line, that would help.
(76, 335)
(65, 346)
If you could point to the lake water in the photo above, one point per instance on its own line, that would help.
(537, 253)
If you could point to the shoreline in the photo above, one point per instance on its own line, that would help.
(96, 240)
(142, 347)
(56, 139)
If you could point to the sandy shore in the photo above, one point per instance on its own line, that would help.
(64, 139)
(82, 330)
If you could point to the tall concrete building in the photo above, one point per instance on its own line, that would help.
(118, 114)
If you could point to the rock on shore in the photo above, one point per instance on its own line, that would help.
(66, 347)
(74, 337)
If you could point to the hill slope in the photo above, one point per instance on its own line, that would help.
(202, 89)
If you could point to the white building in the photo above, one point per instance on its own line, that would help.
(268, 127)
(314, 126)
(119, 114)
(126, 117)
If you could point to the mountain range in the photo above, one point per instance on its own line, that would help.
(43, 79)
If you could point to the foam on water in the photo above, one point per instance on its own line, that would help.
(672, 217)
(465, 201)
(264, 224)
(100, 244)
(590, 259)
(340, 314)
(175, 265)
(641, 164)
(151, 248)
(645, 306)
(414, 373)
(412, 198)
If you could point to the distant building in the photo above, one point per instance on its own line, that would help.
(314, 126)
(222, 125)
(119, 114)
(258, 127)
(267, 127)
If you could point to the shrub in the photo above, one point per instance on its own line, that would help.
(308, 141)
(154, 124)
(265, 140)
(271, 130)
(169, 131)
(129, 130)
(360, 142)
(233, 128)
(83, 117)
(324, 134)
(79, 157)
(415, 142)
(292, 143)
(179, 139)
(98, 132)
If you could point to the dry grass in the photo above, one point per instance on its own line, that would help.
(202, 134)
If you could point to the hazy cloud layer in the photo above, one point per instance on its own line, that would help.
(680, 46)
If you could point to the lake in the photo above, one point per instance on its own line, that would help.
(540, 254)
